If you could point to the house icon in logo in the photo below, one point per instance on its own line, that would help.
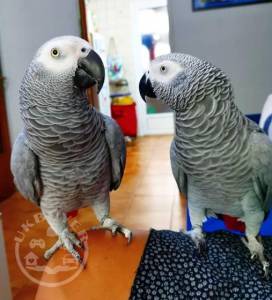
(31, 259)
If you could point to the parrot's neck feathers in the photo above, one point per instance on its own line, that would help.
(210, 121)
(59, 123)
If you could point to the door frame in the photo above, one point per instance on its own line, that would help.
(6, 179)
(91, 92)
(148, 124)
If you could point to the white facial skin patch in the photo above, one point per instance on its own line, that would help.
(164, 71)
(62, 54)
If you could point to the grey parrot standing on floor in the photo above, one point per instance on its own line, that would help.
(220, 159)
(68, 155)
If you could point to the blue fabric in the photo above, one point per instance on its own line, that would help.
(208, 4)
(266, 229)
(254, 117)
(267, 124)
(213, 224)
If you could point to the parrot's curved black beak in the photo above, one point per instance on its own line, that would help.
(90, 71)
(145, 88)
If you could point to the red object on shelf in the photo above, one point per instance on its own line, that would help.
(72, 214)
(125, 116)
(232, 223)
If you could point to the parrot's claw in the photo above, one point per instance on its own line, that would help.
(202, 247)
(114, 227)
(253, 256)
(197, 236)
(266, 269)
(257, 252)
(127, 234)
(67, 240)
(49, 252)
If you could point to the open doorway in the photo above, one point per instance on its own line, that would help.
(153, 24)
(123, 28)
(154, 29)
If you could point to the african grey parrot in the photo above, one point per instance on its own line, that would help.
(68, 155)
(221, 160)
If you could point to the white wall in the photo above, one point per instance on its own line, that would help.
(24, 26)
(237, 39)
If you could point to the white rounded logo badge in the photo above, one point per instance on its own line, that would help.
(30, 246)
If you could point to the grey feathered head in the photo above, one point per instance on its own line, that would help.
(179, 80)
(61, 64)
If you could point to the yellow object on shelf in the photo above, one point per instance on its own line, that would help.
(125, 100)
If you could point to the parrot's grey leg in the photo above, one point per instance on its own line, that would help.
(257, 251)
(253, 218)
(112, 225)
(101, 210)
(58, 222)
(197, 216)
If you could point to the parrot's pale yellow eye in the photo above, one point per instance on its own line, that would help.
(163, 69)
(55, 52)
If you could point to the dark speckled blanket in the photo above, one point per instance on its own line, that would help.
(171, 269)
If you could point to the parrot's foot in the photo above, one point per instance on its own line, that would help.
(68, 240)
(257, 251)
(198, 238)
(114, 227)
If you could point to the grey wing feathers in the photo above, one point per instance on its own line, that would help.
(261, 162)
(117, 148)
(177, 171)
(25, 169)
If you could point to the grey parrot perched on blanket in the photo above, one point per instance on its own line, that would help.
(221, 160)
(68, 155)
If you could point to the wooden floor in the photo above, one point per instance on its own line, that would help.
(148, 197)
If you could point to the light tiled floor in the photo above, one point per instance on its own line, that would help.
(148, 197)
